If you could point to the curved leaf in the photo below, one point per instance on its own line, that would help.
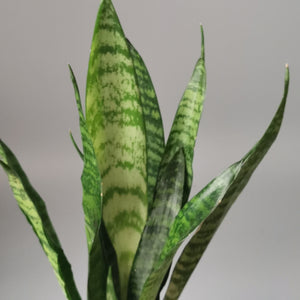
(155, 140)
(115, 123)
(198, 243)
(76, 146)
(36, 214)
(185, 125)
(193, 213)
(208, 208)
(167, 203)
(92, 206)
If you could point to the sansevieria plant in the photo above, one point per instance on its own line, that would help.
(135, 188)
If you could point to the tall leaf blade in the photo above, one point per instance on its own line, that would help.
(115, 122)
(155, 140)
(188, 219)
(208, 208)
(92, 206)
(185, 125)
(194, 250)
(35, 211)
(167, 203)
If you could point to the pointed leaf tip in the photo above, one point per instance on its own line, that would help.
(286, 81)
(35, 211)
(71, 72)
(202, 43)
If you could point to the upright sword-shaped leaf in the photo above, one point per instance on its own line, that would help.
(186, 122)
(212, 193)
(207, 209)
(35, 211)
(194, 250)
(167, 203)
(115, 122)
(168, 196)
(154, 130)
(92, 207)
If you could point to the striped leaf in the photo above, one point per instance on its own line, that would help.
(115, 122)
(185, 125)
(193, 213)
(92, 206)
(36, 214)
(213, 201)
(197, 245)
(155, 140)
(166, 206)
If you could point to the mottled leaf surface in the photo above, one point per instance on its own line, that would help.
(92, 207)
(191, 215)
(36, 214)
(115, 123)
(166, 206)
(155, 140)
(208, 208)
(186, 122)
(197, 245)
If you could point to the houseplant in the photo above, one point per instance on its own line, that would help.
(139, 215)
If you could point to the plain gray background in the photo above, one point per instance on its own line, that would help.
(256, 252)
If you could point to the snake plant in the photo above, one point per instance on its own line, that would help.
(135, 187)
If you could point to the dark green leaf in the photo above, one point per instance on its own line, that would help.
(193, 213)
(166, 206)
(197, 245)
(36, 213)
(76, 146)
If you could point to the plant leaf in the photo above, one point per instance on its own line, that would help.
(193, 213)
(155, 140)
(35, 211)
(198, 243)
(92, 206)
(115, 122)
(76, 146)
(110, 290)
(166, 206)
(185, 125)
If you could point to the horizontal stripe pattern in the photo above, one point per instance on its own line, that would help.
(194, 250)
(35, 211)
(190, 216)
(167, 203)
(186, 122)
(155, 140)
(115, 122)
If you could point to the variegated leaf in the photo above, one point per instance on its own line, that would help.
(208, 208)
(35, 211)
(194, 250)
(92, 206)
(115, 122)
(186, 122)
(167, 203)
(155, 140)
